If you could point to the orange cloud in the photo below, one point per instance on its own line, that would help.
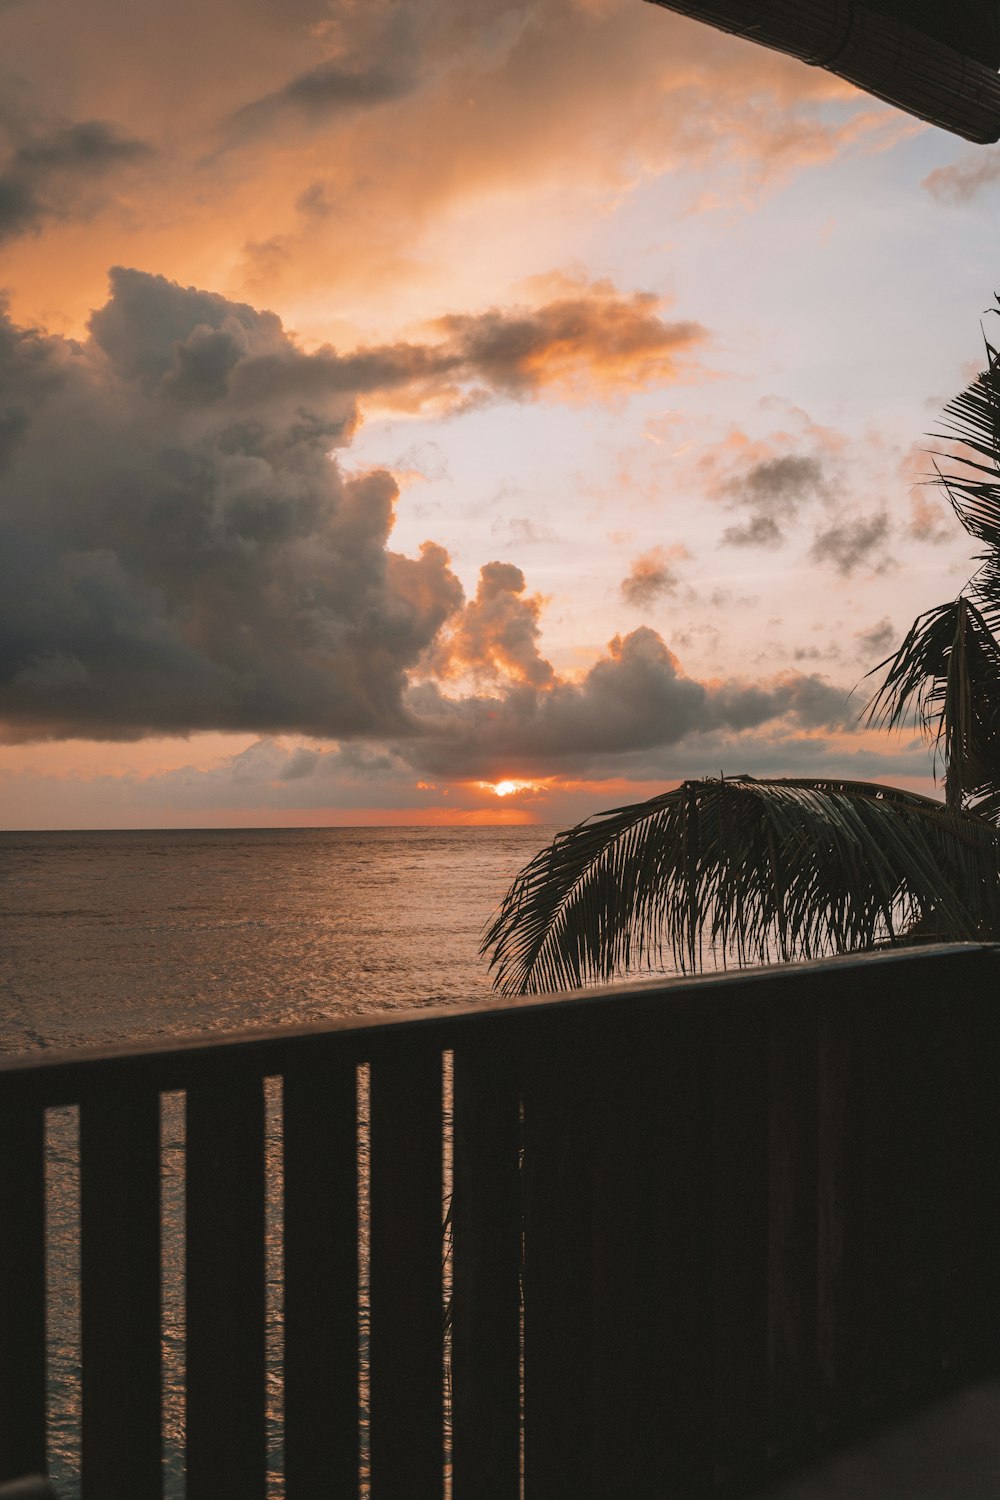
(496, 634)
(596, 343)
(652, 575)
(595, 339)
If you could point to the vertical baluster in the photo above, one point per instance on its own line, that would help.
(321, 1280)
(970, 1146)
(120, 1294)
(486, 1215)
(841, 1154)
(22, 1289)
(893, 1169)
(407, 1336)
(984, 986)
(226, 1441)
(793, 1212)
(558, 1259)
(909, 1141)
(739, 1234)
(652, 1220)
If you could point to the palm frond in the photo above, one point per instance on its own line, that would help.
(945, 680)
(984, 589)
(972, 420)
(913, 687)
(751, 870)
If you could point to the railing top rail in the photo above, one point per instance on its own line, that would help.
(63, 1076)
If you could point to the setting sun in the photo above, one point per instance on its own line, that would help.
(505, 788)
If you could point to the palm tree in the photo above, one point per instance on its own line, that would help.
(749, 870)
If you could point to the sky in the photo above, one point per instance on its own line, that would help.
(440, 411)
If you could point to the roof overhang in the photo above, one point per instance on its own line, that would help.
(952, 84)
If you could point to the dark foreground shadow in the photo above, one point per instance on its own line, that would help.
(949, 1450)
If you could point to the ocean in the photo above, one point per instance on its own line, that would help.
(110, 937)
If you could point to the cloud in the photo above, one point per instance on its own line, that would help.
(497, 633)
(813, 484)
(651, 576)
(53, 176)
(636, 698)
(522, 531)
(379, 147)
(314, 97)
(771, 480)
(591, 346)
(283, 781)
(773, 490)
(375, 59)
(178, 549)
(777, 484)
(758, 531)
(963, 180)
(271, 779)
(180, 552)
(877, 640)
(929, 522)
(783, 751)
(852, 543)
(594, 338)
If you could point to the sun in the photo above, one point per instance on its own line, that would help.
(507, 787)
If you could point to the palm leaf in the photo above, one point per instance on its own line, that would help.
(984, 588)
(972, 420)
(945, 679)
(752, 870)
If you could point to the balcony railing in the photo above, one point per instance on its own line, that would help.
(699, 1227)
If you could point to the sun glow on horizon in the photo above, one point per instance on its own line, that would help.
(507, 788)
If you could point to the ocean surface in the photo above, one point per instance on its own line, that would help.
(107, 937)
(110, 937)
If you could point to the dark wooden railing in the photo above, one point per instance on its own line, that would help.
(746, 1211)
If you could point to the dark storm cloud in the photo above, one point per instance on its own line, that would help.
(814, 703)
(53, 176)
(772, 491)
(587, 341)
(852, 543)
(634, 699)
(176, 557)
(179, 551)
